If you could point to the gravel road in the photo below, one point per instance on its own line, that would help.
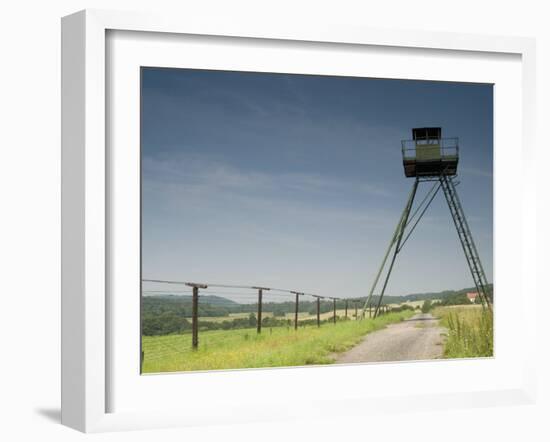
(417, 338)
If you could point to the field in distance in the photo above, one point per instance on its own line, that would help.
(302, 316)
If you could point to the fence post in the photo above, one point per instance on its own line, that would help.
(355, 304)
(195, 312)
(296, 311)
(334, 309)
(259, 318)
(195, 317)
(346, 309)
(318, 309)
(318, 312)
(259, 325)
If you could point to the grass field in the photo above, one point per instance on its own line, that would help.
(244, 348)
(413, 304)
(302, 316)
(470, 331)
(231, 316)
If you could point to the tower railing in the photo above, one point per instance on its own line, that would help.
(448, 147)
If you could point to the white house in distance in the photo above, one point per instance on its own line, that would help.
(472, 296)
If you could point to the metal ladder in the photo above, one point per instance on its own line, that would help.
(466, 239)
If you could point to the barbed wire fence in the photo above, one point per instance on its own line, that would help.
(259, 306)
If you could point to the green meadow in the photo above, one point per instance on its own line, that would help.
(470, 331)
(274, 347)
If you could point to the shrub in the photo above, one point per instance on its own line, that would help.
(427, 306)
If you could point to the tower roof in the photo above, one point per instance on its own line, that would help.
(426, 133)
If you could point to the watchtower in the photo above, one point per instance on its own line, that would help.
(428, 154)
(428, 157)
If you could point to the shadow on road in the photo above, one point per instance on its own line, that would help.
(429, 318)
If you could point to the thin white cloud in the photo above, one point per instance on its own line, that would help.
(197, 172)
(473, 171)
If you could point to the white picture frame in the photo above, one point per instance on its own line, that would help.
(86, 204)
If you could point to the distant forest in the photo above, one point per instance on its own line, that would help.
(167, 314)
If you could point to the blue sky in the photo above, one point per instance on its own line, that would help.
(296, 181)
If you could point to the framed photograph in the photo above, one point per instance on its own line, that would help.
(252, 209)
(252, 182)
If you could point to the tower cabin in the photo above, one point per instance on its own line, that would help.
(428, 154)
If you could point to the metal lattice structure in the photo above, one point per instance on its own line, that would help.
(430, 158)
(466, 239)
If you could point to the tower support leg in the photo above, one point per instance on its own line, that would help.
(466, 240)
(394, 245)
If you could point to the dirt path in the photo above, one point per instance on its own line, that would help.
(416, 338)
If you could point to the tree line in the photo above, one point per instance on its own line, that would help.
(169, 314)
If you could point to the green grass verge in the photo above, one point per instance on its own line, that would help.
(470, 331)
(276, 347)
